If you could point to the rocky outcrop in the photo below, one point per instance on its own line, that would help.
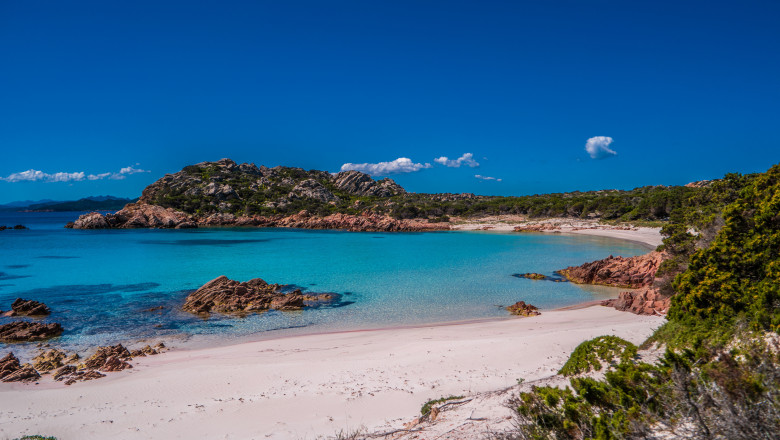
(531, 276)
(26, 331)
(11, 370)
(646, 301)
(223, 295)
(144, 351)
(148, 216)
(360, 184)
(314, 190)
(224, 193)
(135, 215)
(27, 307)
(633, 272)
(520, 308)
(107, 359)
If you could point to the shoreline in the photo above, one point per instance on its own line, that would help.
(304, 386)
(646, 236)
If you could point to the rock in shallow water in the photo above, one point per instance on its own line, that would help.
(25, 331)
(28, 307)
(520, 308)
(223, 295)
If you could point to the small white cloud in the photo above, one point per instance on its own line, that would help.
(39, 176)
(131, 170)
(467, 159)
(398, 166)
(598, 147)
(481, 177)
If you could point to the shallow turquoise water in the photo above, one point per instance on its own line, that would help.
(99, 282)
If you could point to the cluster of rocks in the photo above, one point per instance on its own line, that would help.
(520, 308)
(633, 272)
(223, 295)
(137, 215)
(531, 276)
(66, 368)
(645, 301)
(26, 307)
(17, 227)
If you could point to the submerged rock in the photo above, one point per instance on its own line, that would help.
(531, 276)
(223, 295)
(520, 308)
(12, 371)
(25, 331)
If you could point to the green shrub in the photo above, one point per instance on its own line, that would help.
(590, 354)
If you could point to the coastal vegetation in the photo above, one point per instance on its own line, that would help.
(718, 377)
(245, 189)
(589, 355)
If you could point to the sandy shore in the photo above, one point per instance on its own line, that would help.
(307, 387)
(650, 237)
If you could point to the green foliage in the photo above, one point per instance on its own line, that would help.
(719, 377)
(589, 355)
(426, 408)
(738, 276)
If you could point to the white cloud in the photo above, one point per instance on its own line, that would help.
(481, 177)
(598, 147)
(400, 165)
(467, 159)
(32, 175)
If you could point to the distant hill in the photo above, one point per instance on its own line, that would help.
(94, 203)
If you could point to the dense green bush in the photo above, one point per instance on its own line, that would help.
(589, 355)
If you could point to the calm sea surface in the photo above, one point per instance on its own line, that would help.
(98, 283)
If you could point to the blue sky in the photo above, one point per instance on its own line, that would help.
(685, 90)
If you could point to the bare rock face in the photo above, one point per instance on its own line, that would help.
(633, 272)
(646, 301)
(312, 189)
(135, 215)
(25, 331)
(93, 220)
(520, 308)
(113, 358)
(361, 184)
(223, 295)
(12, 371)
(27, 307)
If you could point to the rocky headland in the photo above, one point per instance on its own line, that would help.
(224, 193)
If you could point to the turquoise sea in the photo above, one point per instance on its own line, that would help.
(98, 283)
